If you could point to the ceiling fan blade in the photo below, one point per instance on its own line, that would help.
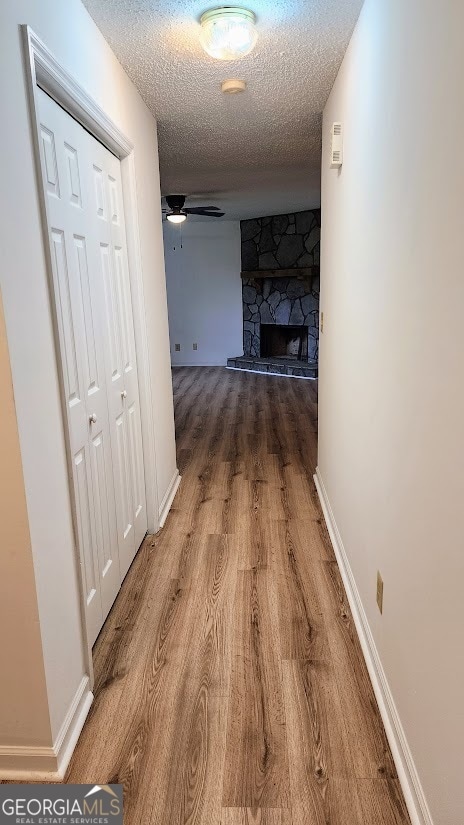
(201, 210)
(209, 208)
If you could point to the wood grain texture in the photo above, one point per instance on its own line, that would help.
(230, 684)
(256, 816)
(255, 775)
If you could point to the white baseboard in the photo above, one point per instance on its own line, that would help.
(407, 772)
(49, 764)
(166, 503)
(72, 726)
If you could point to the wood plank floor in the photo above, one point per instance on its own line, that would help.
(230, 684)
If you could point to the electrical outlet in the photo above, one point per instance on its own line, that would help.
(195, 346)
(322, 322)
(177, 347)
(379, 592)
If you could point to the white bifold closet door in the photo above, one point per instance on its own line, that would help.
(92, 293)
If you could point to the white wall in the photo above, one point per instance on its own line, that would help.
(21, 654)
(67, 29)
(204, 291)
(391, 362)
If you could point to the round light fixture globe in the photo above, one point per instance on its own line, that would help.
(228, 33)
(176, 217)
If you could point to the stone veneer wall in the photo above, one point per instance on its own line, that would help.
(281, 242)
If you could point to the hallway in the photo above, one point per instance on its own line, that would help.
(230, 684)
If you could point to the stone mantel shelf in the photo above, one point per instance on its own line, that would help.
(295, 272)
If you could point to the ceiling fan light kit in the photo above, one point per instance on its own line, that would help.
(176, 217)
(228, 32)
(177, 212)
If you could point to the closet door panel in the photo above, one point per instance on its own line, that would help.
(68, 156)
(92, 292)
(121, 361)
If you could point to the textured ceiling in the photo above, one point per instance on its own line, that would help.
(254, 153)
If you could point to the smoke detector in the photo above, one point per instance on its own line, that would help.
(336, 154)
(233, 86)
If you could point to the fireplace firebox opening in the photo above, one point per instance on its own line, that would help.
(284, 341)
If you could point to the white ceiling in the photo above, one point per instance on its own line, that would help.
(253, 154)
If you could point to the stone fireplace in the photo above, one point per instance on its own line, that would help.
(290, 303)
(280, 290)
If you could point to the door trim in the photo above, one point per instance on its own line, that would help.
(166, 503)
(44, 70)
(62, 87)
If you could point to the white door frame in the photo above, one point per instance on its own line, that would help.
(42, 69)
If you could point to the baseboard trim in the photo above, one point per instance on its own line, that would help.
(407, 772)
(169, 496)
(72, 726)
(43, 764)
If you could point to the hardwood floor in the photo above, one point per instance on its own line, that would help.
(230, 684)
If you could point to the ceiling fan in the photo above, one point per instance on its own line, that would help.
(177, 213)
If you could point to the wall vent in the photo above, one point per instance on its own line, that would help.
(336, 155)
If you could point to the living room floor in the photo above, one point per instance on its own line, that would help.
(230, 684)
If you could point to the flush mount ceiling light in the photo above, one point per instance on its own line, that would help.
(228, 33)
